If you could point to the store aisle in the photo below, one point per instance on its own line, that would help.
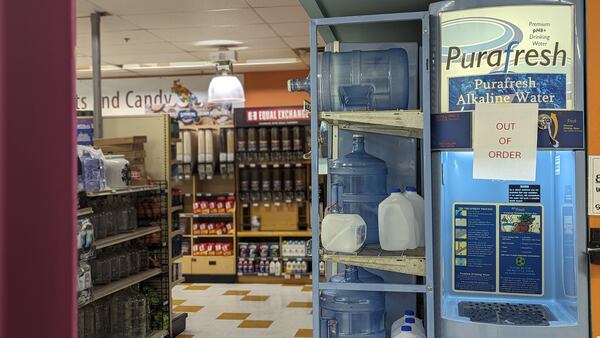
(245, 310)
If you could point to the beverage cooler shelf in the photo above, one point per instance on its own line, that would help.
(406, 123)
(129, 190)
(116, 239)
(84, 212)
(298, 233)
(108, 289)
(410, 262)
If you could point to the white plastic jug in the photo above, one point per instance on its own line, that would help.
(407, 332)
(343, 232)
(418, 205)
(416, 323)
(397, 223)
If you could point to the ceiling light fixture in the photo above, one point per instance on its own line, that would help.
(225, 87)
(217, 43)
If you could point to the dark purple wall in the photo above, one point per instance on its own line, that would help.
(37, 162)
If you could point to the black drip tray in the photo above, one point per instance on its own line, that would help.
(506, 313)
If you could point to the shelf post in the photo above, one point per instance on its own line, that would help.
(97, 74)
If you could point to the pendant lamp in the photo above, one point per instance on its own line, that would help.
(225, 87)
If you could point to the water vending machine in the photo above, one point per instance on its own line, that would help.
(509, 169)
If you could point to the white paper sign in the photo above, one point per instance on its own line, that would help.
(594, 185)
(505, 141)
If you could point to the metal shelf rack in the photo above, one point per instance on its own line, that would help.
(409, 123)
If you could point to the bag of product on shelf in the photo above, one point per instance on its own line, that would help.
(229, 228)
(218, 249)
(252, 250)
(210, 227)
(93, 171)
(84, 283)
(243, 250)
(210, 249)
(264, 250)
(227, 249)
(212, 207)
(202, 249)
(220, 228)
(85, 239)
(221, 204)
(230, 204)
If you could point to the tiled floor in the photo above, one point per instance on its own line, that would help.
(244, 310)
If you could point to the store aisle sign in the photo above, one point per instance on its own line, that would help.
(594, 185)
(507, 54)
(135, 96)
(505, 141)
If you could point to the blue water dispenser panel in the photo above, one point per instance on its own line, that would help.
(511, 250)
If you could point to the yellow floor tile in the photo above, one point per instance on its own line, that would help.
(233, 316)
(304, 333)
(178, 301)
(183, 335)
(255, 324)
(255, 298)
(187, 308)
(236, 293)
(197, 287)
(307, 288)
(307, 305)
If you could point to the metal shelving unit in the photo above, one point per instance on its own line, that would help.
(129, 190)
(116, 239)
(408, 123)
(108, 289)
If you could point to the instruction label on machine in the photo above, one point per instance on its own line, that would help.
(594, 185)
(498, 248)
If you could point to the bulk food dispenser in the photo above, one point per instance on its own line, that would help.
(510, 246)
(370, 109)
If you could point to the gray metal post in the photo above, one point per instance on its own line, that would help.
(97, 74)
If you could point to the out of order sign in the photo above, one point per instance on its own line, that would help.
(505, 141)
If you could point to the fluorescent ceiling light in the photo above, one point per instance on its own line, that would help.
(269, 61)
(104, 68)
(167, 65)
(217, 43)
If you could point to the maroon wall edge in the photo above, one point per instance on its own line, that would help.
(37, 162)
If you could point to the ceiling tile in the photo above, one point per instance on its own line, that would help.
(215, 32)
(273, 3)
(150, 48)
(283, 14)
(301, 41)
(107, 24)
(85, 8)
(266, 43)
(266, 54)
(129, 7)
(84, 41)
(196, 19)
(150, 58)
(291, 29)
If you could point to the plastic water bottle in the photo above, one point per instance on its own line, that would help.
(407, 332)
(403, 321)
(397, 223)
(418, 205)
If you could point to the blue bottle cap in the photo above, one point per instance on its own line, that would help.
(409, 312)
(395, 190)
(411, 189)
(406, 328)
(410, 320)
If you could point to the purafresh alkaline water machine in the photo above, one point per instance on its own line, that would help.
(509, 168)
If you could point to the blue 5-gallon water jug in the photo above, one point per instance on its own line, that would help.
(361, 80)
(352, 314)
(358, 185)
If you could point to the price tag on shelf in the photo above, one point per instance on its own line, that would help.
(240, 274)
(276, 165)
(287, 165)
(252, 165)
(297, 276)
(287, 276)
(264, 166)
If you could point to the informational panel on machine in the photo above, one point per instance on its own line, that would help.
(498, 248)
(507, 54)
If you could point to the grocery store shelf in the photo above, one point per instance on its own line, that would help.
(177, 232)
(129, 190)
(407, 123)
(214, 236)
(225, 215)
(175, 140)
(84, 212)
(116, 239)
(282, 163)
(179, 281)
(158, 334)
(274, 234)
(290, 279)
(108, 289)
(177, 208)
(210, 194)
(176, 162)
(410, 262)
